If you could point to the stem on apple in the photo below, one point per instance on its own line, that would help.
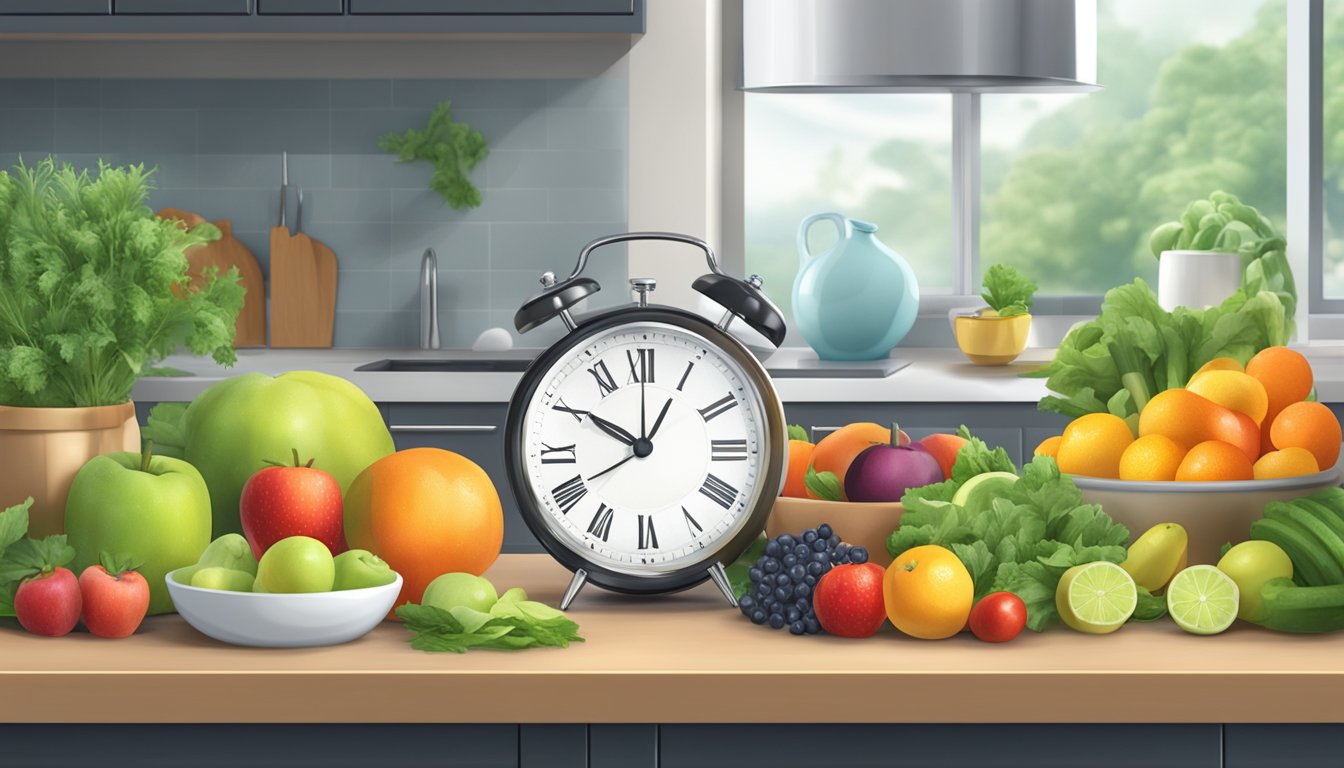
(895, 435)
(146, 453)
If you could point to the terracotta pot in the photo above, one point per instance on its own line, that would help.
(862, 524)
(43, 448)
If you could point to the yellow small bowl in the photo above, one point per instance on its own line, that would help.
(992, 340)
(861, 524)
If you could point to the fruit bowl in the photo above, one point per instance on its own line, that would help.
(294, 620)
(865, 525)
(1212, 513)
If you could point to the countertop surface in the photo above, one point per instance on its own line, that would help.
(679, 658)
(933, 376)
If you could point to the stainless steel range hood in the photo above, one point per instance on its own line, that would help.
(898, 46)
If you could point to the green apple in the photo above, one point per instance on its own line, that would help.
(150, 508)
(296, 564)
(228, 551)
(235, 426)
(1251, 564)
(360, 568)
(215, 577)
(454, 589)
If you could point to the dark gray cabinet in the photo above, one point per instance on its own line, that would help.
(55, 7)
(492, 7)
(182, 7)
(301, 7)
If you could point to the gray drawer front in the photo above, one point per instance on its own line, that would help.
(492, 7)
(300, 7)
(55, 7)
(183, 7)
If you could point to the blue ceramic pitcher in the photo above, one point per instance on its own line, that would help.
(857, 300)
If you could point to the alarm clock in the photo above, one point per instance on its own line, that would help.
(647, 446)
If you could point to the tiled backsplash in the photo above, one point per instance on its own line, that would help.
(555, 178)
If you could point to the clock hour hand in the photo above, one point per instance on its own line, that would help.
(614, 430)
(658, 422)
(612, 467)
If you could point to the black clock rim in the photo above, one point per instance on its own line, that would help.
(773, 475)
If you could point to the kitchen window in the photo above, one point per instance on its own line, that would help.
(1195, 99)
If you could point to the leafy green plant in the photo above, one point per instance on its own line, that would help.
(1007, 291)
(94, 287)
(1224, 223)
(454, 148)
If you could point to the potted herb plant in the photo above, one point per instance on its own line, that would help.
(1219, 245)
(93, 292)
(998, 334)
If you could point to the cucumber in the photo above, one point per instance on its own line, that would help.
(1330, 542)
(1332, 498)
(1290, 608)
(1305, 554)
(1330, 520)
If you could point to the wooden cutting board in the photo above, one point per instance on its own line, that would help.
(303, 291)
(225, 253)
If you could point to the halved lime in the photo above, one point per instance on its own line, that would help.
(979, 492)
(1202, 600)
(1096, 598)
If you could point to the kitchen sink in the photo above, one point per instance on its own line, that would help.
(474, 365)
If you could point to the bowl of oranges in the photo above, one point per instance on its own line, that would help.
(1210, 455)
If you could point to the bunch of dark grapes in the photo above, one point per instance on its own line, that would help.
(783, 578)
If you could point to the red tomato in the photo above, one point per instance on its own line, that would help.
(998, 617)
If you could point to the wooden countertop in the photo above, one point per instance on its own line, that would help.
(681, 658)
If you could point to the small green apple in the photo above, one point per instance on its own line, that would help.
(154, 509)
(296, 564)
(454, 589)
(229, 551)
(360, 568)
(215, 577)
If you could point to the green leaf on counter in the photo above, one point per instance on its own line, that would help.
(739, 572)
(513, 623)
(796, 432)
(824, 484)
(1149, 608)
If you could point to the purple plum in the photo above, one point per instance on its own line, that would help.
(886, 472)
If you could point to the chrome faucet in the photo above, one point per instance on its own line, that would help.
(429, 300)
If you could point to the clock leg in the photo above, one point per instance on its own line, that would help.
(572, 591)
(720, 578)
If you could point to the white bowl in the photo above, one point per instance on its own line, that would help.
(267, 620)
(1213, 513)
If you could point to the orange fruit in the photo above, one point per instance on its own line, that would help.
(1221, 364)
(1308, 425)
(944, 448)
(1234, 390)
(427, 512)
(1151, 457)
(836, 451)
(928, 592)
(1215, 460)
(1092, 445)
(1289, 462)
(800, 456)
(1190, 419)
(1049, 446)
(1285, 374)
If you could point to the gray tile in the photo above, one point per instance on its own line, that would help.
(358, 245)
(378, 172)
(459, 328)
(460, 245)
(509, 288)
(249, 210)
(357, 131)
(507, 128)
(461, 288)
(27, 93)
(373, 329)
(263, 171)
(362, 291)
(507, 168)
(496, 205)
(324, 205)
(171, 131)
(587, 129)
(597, 92)
(76, 130)
(259, 243)
(258, 131)
(173, 172)
(79, 93)
(361, 93)
(552, 246)
(588, 204)
(217, 94)
(26, 130)
(152, 94)
(469, 94)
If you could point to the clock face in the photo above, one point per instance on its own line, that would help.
(644, 448)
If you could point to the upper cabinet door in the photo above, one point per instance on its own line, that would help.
(492, 7)
(183, 7)
(55, 7)
(301, 7)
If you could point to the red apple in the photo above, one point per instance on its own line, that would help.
(848, 600)
(886, 472)
(282, 501)
(116, 597)
(49, 603)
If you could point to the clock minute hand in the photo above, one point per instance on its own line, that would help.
(614, 430)
(658, 422)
